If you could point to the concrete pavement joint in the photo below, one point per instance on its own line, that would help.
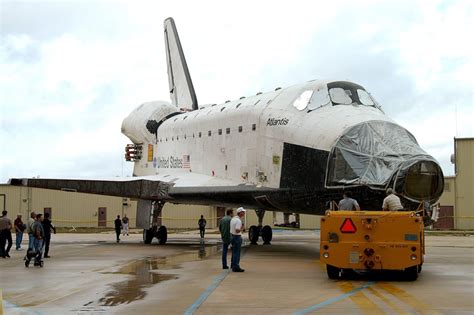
(205, 295)
(212, 287)
(333, 300)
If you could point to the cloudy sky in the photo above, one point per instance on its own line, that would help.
(70, 71)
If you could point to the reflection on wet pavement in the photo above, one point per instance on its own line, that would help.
(144, 273)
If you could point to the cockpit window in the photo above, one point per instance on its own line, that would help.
(340, 96)
(320, 98)
(302, 101)
(335, 93)
(348, 93)
(365, 98)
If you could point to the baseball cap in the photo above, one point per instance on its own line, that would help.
(239, 210)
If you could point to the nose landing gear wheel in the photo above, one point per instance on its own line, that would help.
(267, 234)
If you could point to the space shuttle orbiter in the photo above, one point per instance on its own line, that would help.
(292, 149)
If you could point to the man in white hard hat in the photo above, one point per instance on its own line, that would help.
(236, 228)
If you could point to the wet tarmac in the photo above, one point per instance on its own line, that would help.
(91, 274)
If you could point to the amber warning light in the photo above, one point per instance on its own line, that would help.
(348, 226)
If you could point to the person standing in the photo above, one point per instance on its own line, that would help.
(19, 229)
(118, 227)
(236, 228)
(202, 226)
(391, 202)
(29, 229)
(5, 235)
(347, 203)
(38, 238)
(125, 225)
(224, 228)
(47, 226)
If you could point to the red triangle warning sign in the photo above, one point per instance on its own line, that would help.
(348, 226)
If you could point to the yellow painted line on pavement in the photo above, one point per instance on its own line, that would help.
(362, 301)
(387, 301)
(403, 296)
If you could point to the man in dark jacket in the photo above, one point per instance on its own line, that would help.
(5, 235)
(38, 238)
(47, 226)
(224, 228)
(19, 229)
(118, 227)
(202, 226)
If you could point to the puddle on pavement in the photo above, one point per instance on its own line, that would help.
(145, 273)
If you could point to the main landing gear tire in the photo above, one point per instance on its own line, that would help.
(148, 235)
(333, 272)
(162, 235)
(254, 233)
(267, 234)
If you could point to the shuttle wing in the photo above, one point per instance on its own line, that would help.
(176, 187)
(181, 87)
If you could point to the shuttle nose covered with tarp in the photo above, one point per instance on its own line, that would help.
(383, 154)
(142, 124)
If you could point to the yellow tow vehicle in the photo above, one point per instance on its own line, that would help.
(372, 241)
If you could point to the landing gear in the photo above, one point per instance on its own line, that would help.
(148, 235)
(267, 235)
(162, 235)
(256, 231)
(159, 231)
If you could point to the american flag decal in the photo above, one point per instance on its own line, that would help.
(186, 161)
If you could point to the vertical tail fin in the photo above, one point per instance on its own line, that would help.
(181, 87)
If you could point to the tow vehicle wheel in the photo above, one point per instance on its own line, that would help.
(162, 235)
(254, 233)
(267, 234)
(147, 236)
(333, 272)
(411, 273)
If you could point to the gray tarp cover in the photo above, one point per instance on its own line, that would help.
(371, 152)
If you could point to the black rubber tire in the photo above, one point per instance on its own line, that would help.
(162, 235)
(267, 234)
(147, 236)
(420, 268)
(333, 272)
(254, 234)
(27, 263)
(411, 273)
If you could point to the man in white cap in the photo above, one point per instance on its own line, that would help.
(236, 228)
